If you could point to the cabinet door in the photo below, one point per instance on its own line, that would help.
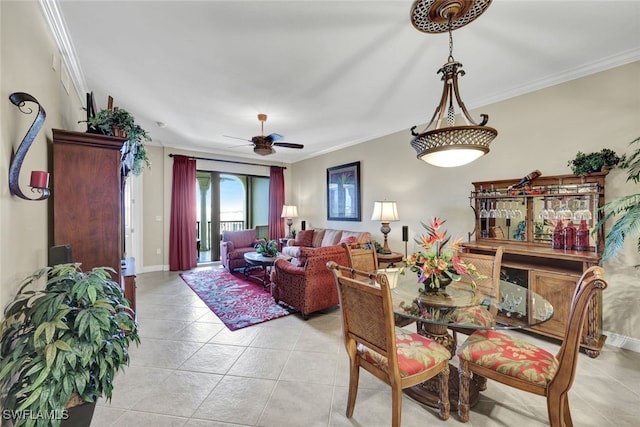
(558, 289)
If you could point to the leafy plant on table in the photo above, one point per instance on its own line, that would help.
(268, 249)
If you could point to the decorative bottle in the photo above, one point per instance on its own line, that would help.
(570, 236)
(582, 236)
(558, 236)
(525, 181)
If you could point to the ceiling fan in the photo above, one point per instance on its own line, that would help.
(262, 144)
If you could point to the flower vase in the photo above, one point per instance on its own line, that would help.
(430, 287)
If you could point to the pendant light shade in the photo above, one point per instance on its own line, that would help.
(444, 142)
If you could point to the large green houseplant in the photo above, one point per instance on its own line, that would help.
(62, 343)
(628, 224)
(119, 122)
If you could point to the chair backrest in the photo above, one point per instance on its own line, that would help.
(591, 282)
(240, 238)
(362, 257)
(367, 310)
(489, 266)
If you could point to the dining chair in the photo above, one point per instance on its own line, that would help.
(362, 257)
(484, 314)
(522, 365)
(365, 258)
(399, 358)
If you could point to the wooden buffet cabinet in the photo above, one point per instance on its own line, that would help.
(523, 222)
(87, 202)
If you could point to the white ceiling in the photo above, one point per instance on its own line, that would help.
(328, 73)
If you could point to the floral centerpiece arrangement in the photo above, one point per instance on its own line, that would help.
(268, 249)
(436, 264)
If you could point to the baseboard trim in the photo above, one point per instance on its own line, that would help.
(152, 268)
(621, 341)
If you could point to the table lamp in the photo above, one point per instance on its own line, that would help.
(289, 212)
(384, 212)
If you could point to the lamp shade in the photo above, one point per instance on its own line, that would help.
(385, 211)
(289, 211)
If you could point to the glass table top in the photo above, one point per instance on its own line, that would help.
(460, 305)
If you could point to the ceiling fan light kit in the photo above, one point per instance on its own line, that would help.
(443, 143)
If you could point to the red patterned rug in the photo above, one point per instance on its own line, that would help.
(239, 302)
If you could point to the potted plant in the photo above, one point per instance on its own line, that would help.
(627, 225)
(584, 164)
(268, 249)
(62, 345)
(119, 122)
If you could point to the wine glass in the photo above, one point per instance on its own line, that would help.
(504, 212)
(493, 212)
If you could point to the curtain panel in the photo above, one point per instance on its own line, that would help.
(182, 229)
(276, 201)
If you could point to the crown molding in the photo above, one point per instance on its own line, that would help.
(58, 28)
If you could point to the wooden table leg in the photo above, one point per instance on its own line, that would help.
(428, 392)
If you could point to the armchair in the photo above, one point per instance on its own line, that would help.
(234, 245)
(311, 286)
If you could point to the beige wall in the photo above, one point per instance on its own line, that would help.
(541, 130)
(27, 52)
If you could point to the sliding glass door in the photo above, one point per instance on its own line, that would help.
(229, 202)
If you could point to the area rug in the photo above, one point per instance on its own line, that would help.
(237, 301)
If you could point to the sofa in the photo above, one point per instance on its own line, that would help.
(234, 245)
(304, 282)
(315, 238)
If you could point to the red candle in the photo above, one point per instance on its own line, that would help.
(39, 179)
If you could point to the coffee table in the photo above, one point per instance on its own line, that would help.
(254, 261)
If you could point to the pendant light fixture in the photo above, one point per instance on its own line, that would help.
(443, 142)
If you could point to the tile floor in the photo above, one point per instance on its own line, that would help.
(190, 370)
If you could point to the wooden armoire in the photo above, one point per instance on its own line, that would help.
(87, 198)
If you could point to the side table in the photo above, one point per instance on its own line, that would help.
(390, 259)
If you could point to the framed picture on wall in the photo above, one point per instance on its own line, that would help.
(343, 192)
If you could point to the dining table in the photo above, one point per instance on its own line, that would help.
(437, 313)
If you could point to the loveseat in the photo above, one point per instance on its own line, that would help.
(234, 245)
(304, 282)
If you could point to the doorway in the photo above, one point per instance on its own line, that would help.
(227, 201)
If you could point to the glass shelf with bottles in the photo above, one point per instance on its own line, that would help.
(560, 212)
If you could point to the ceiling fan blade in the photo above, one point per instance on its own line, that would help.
(288, 145)
(274, 137)
(236, 137)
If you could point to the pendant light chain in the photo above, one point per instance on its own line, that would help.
(450, 41)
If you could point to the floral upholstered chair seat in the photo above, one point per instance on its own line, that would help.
(415, 353)
(509, 356)
(476, 315)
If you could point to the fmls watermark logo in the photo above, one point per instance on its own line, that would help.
(10, 414)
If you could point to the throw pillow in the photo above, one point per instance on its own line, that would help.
(349, 240)
(304, 238)
(331, 237)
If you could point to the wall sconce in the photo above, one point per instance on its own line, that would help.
(289, 212)
(39, 179)
(384, 212)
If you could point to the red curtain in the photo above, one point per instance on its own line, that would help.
(276, 200)
(182, 230)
